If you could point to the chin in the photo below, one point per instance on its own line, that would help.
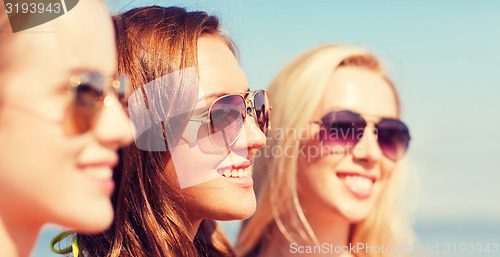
(355, 215)
(237, 209)
(91, 222)
(246, 213)
(96, 227)
(356, 219)
(239, 214)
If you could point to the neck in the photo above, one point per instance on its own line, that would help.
(17, 237)
(330, 228)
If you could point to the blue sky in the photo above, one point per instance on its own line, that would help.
(444, 57)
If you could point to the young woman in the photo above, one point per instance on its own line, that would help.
(61, 123)
(197, 129)
(326, 181)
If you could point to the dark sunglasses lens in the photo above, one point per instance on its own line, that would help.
(262, 110)
(393, 138)
(88, 101)
(342, 129)
(227, 116)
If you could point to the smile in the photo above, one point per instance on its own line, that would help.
(235, 173)
(359, 185)
(238, 176)
(99, 172)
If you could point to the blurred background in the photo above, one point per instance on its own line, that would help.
(444, 58)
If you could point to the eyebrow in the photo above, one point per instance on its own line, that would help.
(64, 84)
(367, 116)
(78, 71)
(219, 94)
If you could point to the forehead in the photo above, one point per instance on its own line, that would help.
(87, 37)
(81, 39)
(359, 90)
(219, 70)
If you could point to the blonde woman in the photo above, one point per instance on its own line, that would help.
(326, 183)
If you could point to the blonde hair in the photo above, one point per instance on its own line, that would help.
(294, 93)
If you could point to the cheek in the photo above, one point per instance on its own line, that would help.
(35, 142)
(209, 196)
(192, 165)
(386, 172)
(387, 167)
(316, 173)
(39, 162)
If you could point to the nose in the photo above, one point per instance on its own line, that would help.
(367, 151)
(251, 137)
(113, 128)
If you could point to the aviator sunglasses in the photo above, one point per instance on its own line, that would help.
(227, 114)
(345, 129)
(89, 92)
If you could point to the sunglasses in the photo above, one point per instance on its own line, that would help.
(345, 129)
(89, 92)
(227, 114)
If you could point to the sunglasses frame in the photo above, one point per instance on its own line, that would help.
(116, 84)
(249, 110)
(375, 124)
(119, 85)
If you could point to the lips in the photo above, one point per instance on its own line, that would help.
(238, 175)
(360, 185)
(101, 173)
(235, 170)
(98, 172)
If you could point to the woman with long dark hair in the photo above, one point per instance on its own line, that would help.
(197, 129)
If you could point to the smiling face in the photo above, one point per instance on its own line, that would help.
(214, 195)
(46, 173)
(348, 184)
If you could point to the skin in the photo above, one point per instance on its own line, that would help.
(329, 206)
(43, 167)
(367, 93)
(218, 199)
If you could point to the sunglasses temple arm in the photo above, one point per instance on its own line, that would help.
(201, 120)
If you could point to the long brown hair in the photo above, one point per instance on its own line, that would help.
(149, 215)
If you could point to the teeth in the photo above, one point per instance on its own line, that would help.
(101, 173)
(236, 173)
(358, 182)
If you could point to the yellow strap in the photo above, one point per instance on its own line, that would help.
(76, 251)
(72, 248)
